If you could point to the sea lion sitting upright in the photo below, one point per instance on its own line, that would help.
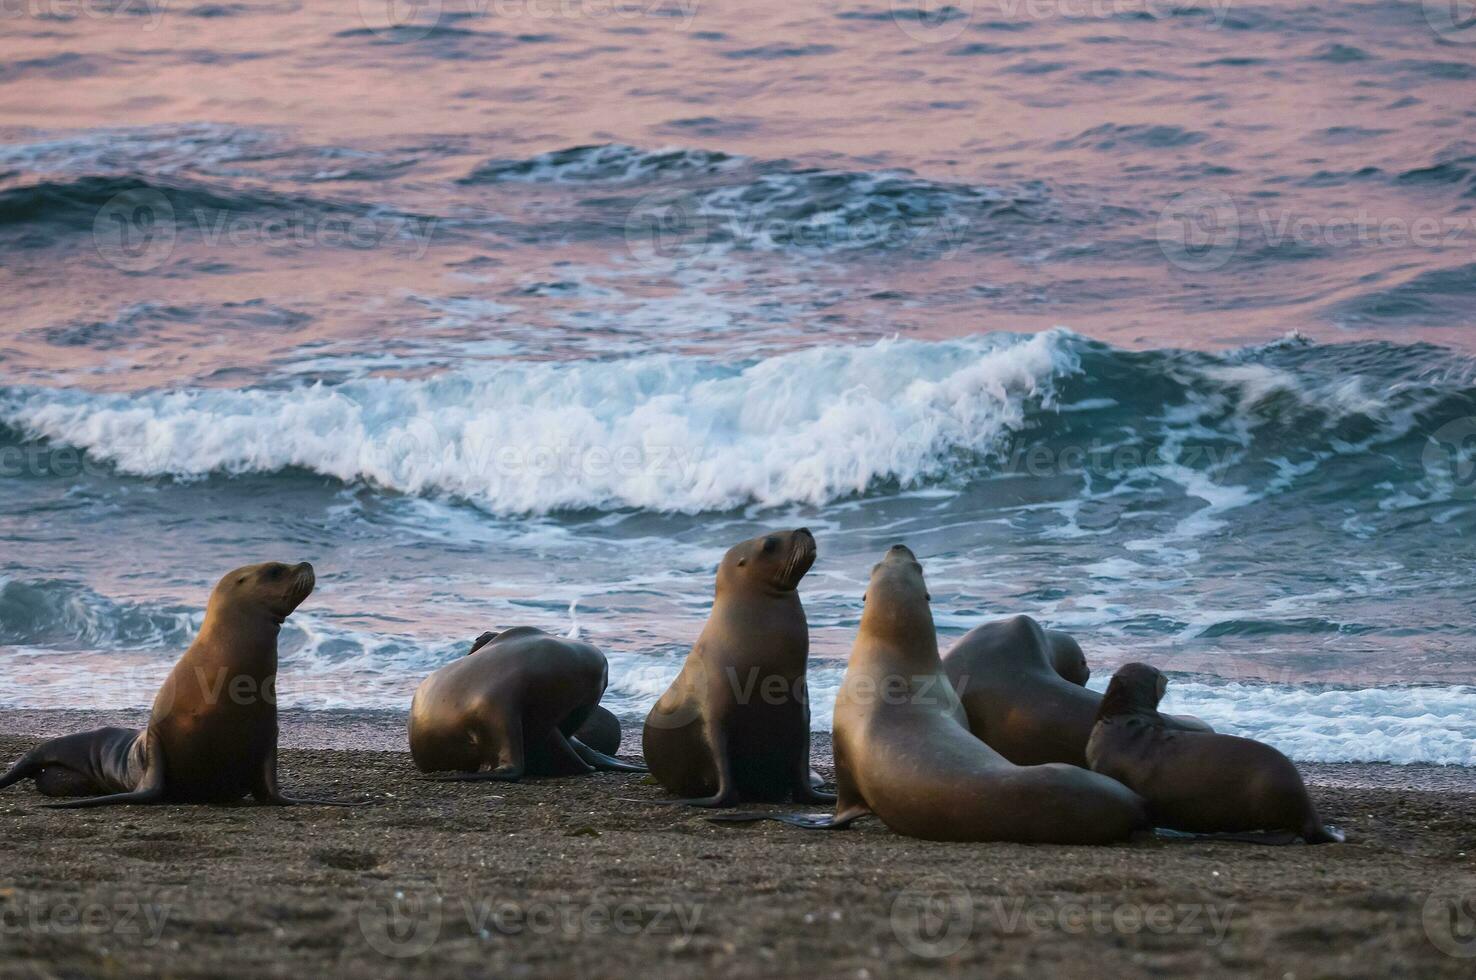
(511, 708)
(903, 750)
(212, 734)
(735, 724)
(1022, 688)
(1199, 782)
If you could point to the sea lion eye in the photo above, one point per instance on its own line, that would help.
(742, 562)
(770, 545)
(274, 572)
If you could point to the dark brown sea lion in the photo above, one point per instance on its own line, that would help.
(1019, 687)
(601, 730)
(1067, 658)
(903, 750)
(1199, 782)
(735, 724)
(212, 735)
(511, 708)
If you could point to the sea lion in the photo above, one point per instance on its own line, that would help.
(1199, 782)
(511, 708)
(1067, 659)
(903, 750)
(1018, 684)
(601, 730)
(212, 734)
(735, 724)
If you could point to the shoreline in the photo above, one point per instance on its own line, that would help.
(382, 730)
(587, 876)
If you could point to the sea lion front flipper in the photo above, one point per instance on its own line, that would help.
(603, 762)
(267, 791)
(805, 821)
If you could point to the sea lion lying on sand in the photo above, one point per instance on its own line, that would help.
(1199, 782)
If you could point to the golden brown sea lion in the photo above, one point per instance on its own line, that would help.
(1019, 687)
(212, 735)
(512, 707)
(903, 750)
(735, 724)
(1199, 782)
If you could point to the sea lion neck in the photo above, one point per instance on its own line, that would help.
(244, 631)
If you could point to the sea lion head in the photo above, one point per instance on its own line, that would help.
(775, 561)
(1069, 661)
(896, 599)
(273, 588)
(482, 641)
(1134, 689)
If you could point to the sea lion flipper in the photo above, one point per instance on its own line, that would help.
(150, 788)
(268, 792)
(805, 821)
(114, 799)
(603, 762)
(25, 767)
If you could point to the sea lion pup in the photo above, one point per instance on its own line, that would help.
(511, 708)
(903, 750)
(1199, 782)
(735, 724)
(1019, 687)
(212, 734)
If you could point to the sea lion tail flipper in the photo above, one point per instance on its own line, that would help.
(603, 762)
(27, 766)
(142, 795)
(150, 788)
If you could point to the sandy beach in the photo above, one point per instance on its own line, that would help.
(561, 877)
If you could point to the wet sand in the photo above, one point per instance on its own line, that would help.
(562, 877)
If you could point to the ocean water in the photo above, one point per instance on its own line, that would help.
(1156, 322)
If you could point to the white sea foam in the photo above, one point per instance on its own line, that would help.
(660, 432)
(326, 667)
